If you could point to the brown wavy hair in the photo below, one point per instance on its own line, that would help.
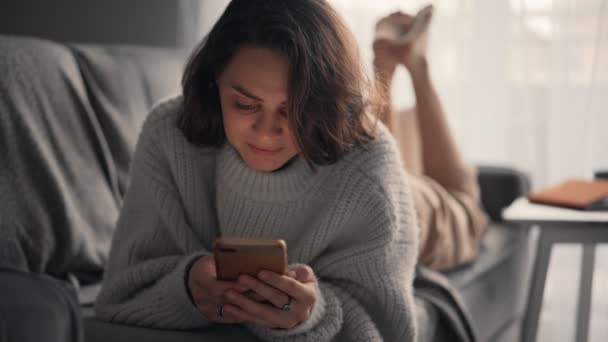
(328, 92)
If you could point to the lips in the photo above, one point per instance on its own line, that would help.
(264, 151)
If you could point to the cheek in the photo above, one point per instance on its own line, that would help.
(234, 124)
(291, 138)
(231, 121)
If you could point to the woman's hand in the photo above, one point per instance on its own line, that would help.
(291, 298)
(207, 292)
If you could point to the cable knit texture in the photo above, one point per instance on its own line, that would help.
(352, 222)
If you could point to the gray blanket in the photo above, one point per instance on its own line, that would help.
(57, 187)
(69, 120)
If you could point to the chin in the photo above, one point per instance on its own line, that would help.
(263, 163)
(264, 166)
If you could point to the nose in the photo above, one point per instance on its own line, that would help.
(268, 124)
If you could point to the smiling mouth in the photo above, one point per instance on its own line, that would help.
(264, 151)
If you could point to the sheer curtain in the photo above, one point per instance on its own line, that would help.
(524, 82)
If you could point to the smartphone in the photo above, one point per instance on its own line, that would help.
(235, 256)
(396, 31)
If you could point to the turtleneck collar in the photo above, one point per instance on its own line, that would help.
(287, 183)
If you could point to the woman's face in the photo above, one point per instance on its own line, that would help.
(253, 95)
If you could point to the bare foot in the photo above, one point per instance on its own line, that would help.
(401, 39)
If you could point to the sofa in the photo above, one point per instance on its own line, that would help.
(80, 107)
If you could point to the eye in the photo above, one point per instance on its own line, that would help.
(246, 107)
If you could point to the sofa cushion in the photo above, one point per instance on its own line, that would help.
(96, 330)
(123, 82)
(37, 301)
(58, 209)
(495, 285)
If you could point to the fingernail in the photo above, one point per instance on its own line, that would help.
(263, 275)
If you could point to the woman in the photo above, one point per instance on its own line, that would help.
(445, 188)
(271, 139)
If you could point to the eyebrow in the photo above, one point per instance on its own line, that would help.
(245, 92)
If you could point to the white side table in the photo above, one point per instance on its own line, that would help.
(559, 225)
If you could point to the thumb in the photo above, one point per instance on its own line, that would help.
(303, 273)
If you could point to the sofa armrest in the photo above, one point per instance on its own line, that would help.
(499, 187)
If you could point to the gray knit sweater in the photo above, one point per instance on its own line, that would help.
(352, 222)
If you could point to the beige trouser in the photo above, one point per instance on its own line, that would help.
(446, 200)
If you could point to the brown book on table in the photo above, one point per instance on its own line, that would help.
(575, 194)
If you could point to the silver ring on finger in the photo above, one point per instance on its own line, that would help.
(221, 311)
(287, 306)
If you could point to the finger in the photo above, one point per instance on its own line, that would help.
(268, 314)
(274, 296)
(254, 296)
(304, 273)
(201, 300)
(290, 286)
(213, 291)
(216, 288)
(203, 274)
(201, 295)
(243, 316)
(212, 313)
(227, 317)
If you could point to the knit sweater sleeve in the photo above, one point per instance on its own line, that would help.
(365, 277)
(145, 280)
